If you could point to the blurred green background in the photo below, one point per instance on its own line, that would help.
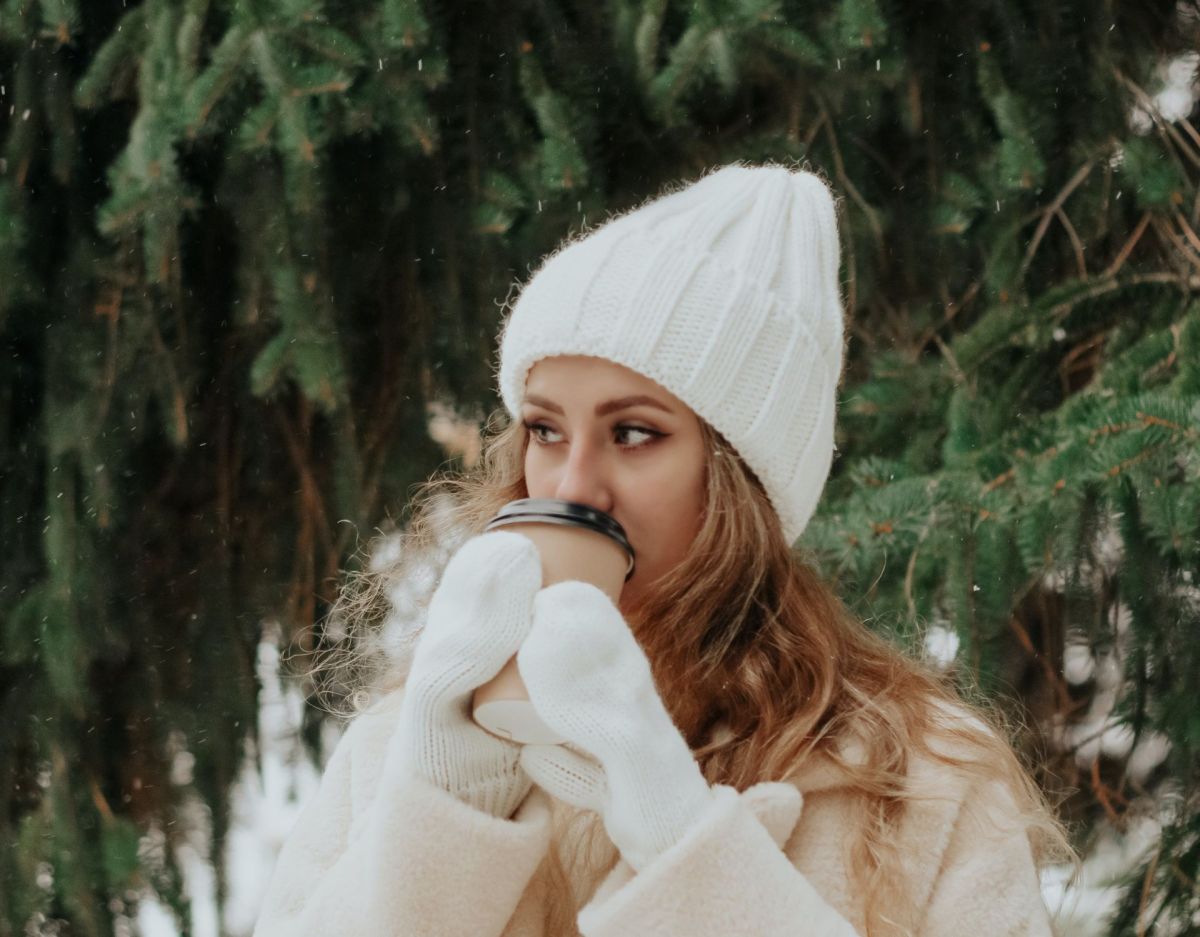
(248, 249)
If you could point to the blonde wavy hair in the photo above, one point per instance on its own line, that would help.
(743, 635)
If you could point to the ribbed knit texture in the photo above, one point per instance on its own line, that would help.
(725, 293)
(478, 617)
(590, 681)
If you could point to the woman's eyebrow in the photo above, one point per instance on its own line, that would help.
(610, 406)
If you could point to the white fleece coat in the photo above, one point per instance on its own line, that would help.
(378, 855)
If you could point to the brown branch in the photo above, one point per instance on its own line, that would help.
(1076, 244)
(1127, 247)
(961, 377)
(1187, 230)
(1107, 286)
(909, 575)
(953, 308)
(1149, 419)
(100, 801)
(178, 400)
(1164, 127)
(1061, 690)
(1048, 215)
(1070, 363)
(872, 218)
(1103, 792)
(1166, 232)
(110, 309)
(1144, 898)
(999, 481)
(326, 88)
(910, 572)
(1124, 464)
(314, 521)
(817, 125)
(1191, 130)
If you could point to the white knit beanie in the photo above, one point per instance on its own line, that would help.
(724, 292)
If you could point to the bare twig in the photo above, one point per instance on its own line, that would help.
(1147, 881)
(1061, 690)
(1108, 286)
(1127, 247)
(1075, 242)
(178, 400)
(817, 125)
(840, 167)
(953, 308)
(1168, 233)
(313, 516)
(1187, 230)
(1105, 794)
(960, 376)
(1164, 127)
(910, 572)
(1048, 214)
(1070, 362)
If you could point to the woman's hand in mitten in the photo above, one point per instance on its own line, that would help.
(478, 617)
(590, 681)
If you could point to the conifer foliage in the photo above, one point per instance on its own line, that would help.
(245, 243)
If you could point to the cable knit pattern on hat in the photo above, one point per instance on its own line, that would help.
(725, 293)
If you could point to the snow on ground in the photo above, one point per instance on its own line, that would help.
(264, 807)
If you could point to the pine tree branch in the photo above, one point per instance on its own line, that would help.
(1070, 364)
(1167, 233)
(1105, 795)
(1066, 705)
(960, 376)
(1188, 233)
(178, 399)
(1054, 209)
(847, 183)
(310, 491)
(1127, 248)
(1147, 882)
(1164, 127)
(1076, 243)
(1187, 284)
(953, 308)
(328, 87)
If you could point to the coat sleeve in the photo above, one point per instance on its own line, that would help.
(728, 876)
(375, 854)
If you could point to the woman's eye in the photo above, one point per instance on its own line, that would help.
(648, 434)
(536, 430)
(624, 431)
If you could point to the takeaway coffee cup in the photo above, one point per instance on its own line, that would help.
(575, 542)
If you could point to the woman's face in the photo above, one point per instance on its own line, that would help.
(605, 436)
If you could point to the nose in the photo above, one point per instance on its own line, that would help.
(584, 478)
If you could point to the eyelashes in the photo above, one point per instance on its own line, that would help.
(536, 429)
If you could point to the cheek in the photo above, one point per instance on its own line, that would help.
(535, 474)
(670, 508)
(693, 498)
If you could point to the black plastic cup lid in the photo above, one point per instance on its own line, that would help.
(570, 513)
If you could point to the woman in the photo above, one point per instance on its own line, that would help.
(744, 756)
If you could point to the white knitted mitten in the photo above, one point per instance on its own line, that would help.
(590, 681)
(478, 617)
